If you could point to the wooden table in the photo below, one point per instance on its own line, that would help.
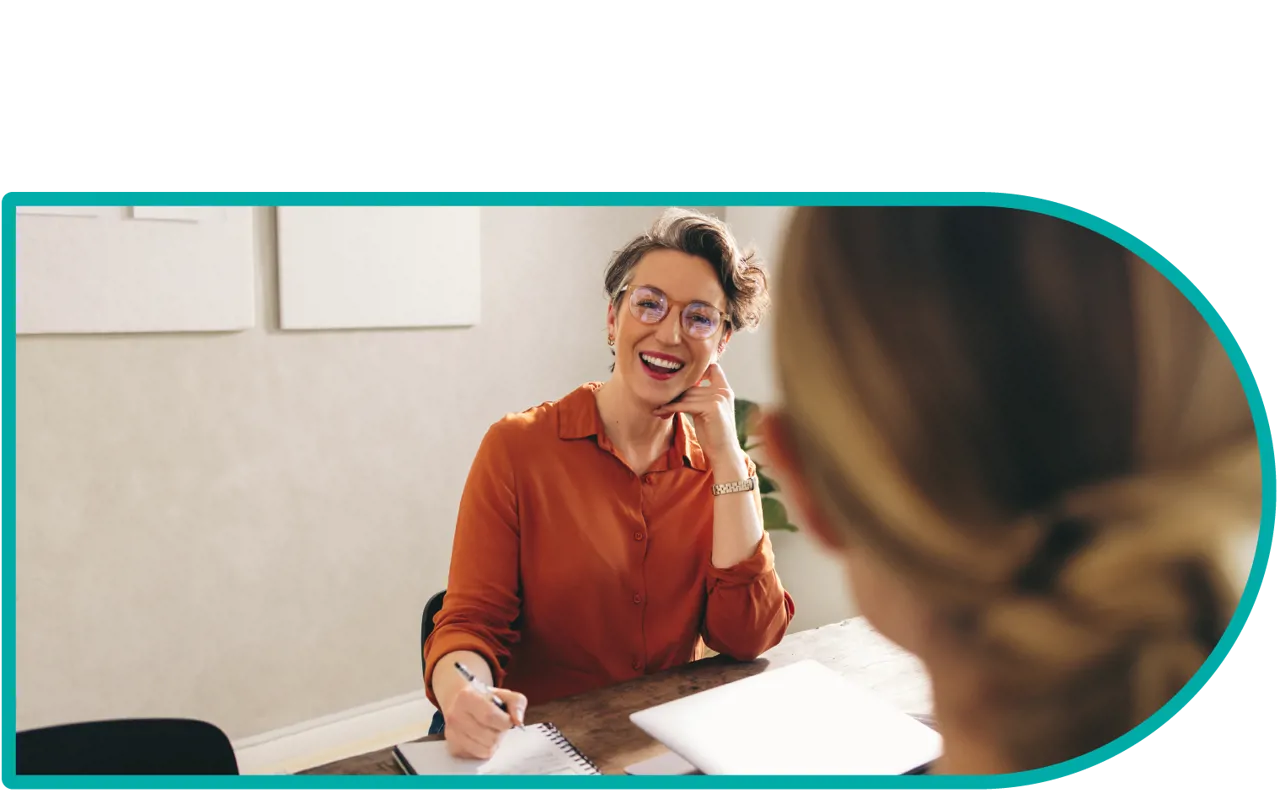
(598, 722)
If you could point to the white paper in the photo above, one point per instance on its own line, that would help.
(802, 718)
(665, 764)
(532, 751)
(66, 212)
(183, 214)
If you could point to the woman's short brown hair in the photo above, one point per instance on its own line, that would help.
(739, 271)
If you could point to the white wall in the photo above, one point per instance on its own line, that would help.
(243, 527)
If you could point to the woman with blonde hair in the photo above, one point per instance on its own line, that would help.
(1030, 451)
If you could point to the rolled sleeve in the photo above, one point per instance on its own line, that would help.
(448, 639)
(748, 610)
(482, 601)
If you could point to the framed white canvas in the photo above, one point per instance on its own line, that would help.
(113, 273)
(68, 212)
(379, 267)
(180, 214)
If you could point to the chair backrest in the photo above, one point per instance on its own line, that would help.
(434, 604)
(126, 746)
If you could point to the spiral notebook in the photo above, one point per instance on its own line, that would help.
(539, 749)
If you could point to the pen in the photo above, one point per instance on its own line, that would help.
(482, 688)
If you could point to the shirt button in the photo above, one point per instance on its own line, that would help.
(636, 665)
(639, 536)
(637, 599)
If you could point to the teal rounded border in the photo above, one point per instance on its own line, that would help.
(656, 199)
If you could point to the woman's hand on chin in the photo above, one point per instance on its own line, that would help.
(710, 405)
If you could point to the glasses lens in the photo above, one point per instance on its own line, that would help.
(701, 320)
(648, 305)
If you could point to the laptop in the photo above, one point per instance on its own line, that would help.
(803, 718)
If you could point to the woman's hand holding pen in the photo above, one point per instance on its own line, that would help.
(473, 724)
(475, 713)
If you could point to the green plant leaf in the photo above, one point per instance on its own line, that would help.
(775, 516)
(767, 485)
(743, 413)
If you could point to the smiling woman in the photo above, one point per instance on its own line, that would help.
(617, 531)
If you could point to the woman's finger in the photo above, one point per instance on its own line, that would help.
(707, 394)
(716, 375)
(492, 717)
(472, 746)
(482, 709)
(463, 745)
(693, 410)
(702, 403)
(516, 704)
(466, 738)
(481, 725)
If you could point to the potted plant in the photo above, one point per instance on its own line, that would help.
(775, 514)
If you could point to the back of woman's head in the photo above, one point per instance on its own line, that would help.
(1037, 432)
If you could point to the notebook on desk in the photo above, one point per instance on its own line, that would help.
(802, 718)
(539, 749)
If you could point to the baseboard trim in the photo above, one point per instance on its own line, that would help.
(337, 736)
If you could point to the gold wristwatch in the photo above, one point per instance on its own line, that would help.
(741, 486)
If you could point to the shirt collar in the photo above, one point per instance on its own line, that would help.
(579, 418)
(686, 443)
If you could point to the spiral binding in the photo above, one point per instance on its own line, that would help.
(566, 746)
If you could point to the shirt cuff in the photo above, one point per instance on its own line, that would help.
(444, 641)
(749, 570)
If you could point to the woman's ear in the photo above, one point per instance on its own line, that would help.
(724, 341)
(611, 323)
(780, 447)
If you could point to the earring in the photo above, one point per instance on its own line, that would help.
(611, 341)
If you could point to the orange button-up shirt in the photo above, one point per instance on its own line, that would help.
(570, 572)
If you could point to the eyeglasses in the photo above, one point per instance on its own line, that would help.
(650, 305)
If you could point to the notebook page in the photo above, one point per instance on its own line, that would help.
(530, 751)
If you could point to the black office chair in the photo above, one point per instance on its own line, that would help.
(429, 612)
(126, 746)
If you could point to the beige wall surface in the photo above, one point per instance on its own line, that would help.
(243, 527)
